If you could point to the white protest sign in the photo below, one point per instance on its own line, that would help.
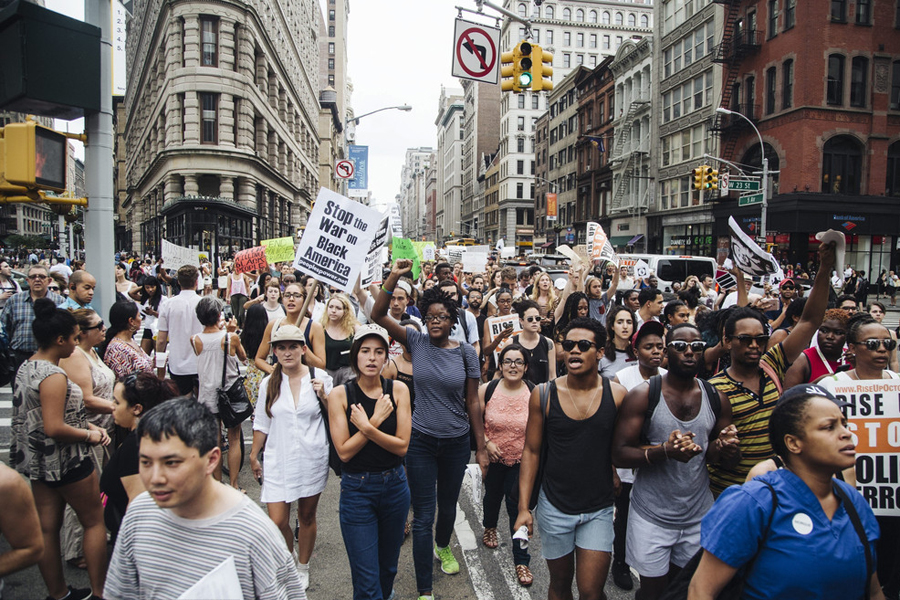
(747, 255)
(496, 325)
(393, 210)
(601, 249)
(641, 270)
(428, 252)
(337, 239)
(481, 248)
(573, 256)
(474, 262)
(222, 582)
(591, 230)
(372, 273)
(455, 254)
(874, 419)
(175, 256)
(507, 252)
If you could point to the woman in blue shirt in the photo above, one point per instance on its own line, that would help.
(811, 549)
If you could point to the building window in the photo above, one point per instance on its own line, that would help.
(523, 11)
(895, 85)
(579, 40)
(567, 61)
(619, 19)
(331, 31)
(835, 92)
(593, 40)
(567, 14)
(770, 90)
(579, 16)
(331, 79)
(521, 100)
(773, 18)
(593, 16)
(841, 166)
(520, 166)
(892, 182)
(331, 15)
(567, 38)
(209, 36)
(520, 123)
(789, 14)
(787, 84)
(534, 101)
(579, 59)
(618, 41)
(330, 47)
(605, 18)
(209, 109)
(839, 10)
(549, 37)
(632, 20)
(520, 190)
(548, 12)
(593, 62)
(863, 12)
(606, 42)
(520, 145)
(331, 63)
(750, 96)
(859, 69)
(645, 21)
(537, 36)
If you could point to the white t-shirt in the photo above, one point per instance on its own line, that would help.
(178, 317)
(457, 332)
(63, 269)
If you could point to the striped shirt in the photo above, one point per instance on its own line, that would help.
(750, 415)
(440, 385)
(161, 555)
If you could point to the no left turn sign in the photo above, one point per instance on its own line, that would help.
(475, 52)
(344, 169)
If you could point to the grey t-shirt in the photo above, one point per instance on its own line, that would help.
(673, 494)
(609, 368)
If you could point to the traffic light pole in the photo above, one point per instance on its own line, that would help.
(99, 246)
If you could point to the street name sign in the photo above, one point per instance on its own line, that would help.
(750, 199)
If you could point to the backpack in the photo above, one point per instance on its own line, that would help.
(492, 386)
(655, 382)
(334, 461)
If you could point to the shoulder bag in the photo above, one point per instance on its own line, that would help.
(234, 404)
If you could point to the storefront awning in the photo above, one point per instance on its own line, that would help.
(547, 245)
(634, 240)
(619, 240)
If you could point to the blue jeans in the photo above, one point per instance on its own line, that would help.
(373, 512)
(503, 482)
(431, 462)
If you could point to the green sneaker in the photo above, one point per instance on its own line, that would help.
(448, 561)
(428, 597)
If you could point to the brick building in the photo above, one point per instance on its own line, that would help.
(821, 82)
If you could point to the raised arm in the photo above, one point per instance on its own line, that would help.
(383, 301)
(814, 311)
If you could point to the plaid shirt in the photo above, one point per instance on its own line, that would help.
(17, 317)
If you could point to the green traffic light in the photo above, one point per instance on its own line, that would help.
(525, 80)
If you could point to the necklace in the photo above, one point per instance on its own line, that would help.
(584, 413)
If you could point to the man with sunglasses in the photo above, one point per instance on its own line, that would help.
(671, 489)
(754, 380)
(18, 314)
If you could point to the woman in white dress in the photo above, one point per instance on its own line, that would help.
(288, 424)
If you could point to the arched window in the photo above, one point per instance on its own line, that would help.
(841, 166)
(632, 20)
(605, 18)
(523, 11)
(548, 12)
(892, 182)
(645, 21)
(567, 14)
(619, 18)
(593, 16)
(579, 16)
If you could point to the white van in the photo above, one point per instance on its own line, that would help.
(670, 268)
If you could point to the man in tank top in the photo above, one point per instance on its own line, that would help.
(577, 491)
(671, 489)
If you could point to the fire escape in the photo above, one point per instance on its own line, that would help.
(632, 162)
(737, 43)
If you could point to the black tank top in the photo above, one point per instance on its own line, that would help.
(578, 473)
(539, 365)
(372, 458)
(408, 380)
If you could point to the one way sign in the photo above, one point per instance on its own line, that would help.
(475, 52)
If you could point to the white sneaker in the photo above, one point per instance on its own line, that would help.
(303, 572)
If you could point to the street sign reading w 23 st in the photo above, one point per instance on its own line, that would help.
(743, 185)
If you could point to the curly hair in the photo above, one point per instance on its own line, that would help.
(591, 325)
(436, 295)
(857, 322)
(348, 321)
(836, 314)
(570, 311)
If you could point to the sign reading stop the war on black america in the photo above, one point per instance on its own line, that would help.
(337, 238)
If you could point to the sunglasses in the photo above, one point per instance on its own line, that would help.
(873, 344)
(680, 346)
(53, 288)
(746, 340)
(787, 287)
(38, 277)
(583, 345)
(100, 325)
(532, 319)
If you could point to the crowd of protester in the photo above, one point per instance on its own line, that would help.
(675, 435)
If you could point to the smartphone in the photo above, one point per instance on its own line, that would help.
(507, 326)
(227, 312)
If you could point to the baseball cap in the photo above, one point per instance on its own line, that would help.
(368, 329)
(650, 327)
(786, 281)
(810, 389)
(288, 333)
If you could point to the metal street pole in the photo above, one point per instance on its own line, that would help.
(765, 168)
(98, 166)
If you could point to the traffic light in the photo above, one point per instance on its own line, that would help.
(516, 64)
(698, 178)
(33, 157)
(541, 66)
(710, 178)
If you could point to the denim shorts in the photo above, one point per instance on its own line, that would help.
(561, 533)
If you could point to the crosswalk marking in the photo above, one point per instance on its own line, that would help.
(5, 421)
(5, 404)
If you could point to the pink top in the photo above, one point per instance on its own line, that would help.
(124, 358)
(505, 418)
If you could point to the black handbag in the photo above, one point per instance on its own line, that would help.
(234, 404)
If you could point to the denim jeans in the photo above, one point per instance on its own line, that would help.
(503, 481)
(433, 462)
(373, 511)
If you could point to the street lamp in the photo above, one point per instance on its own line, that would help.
(355, 120)
(765, 168)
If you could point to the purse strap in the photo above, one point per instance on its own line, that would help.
(225, 359)
(860, 531)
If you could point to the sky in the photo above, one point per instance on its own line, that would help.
(399, 52)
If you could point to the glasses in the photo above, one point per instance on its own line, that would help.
(53, 288)
(583, 345)
(292, 296)
(873, 344)
(436, 318)
(100, 325)
(787, 287)
(532, 319)
(680, 346)
(504, 301)
(38, 277)
(513, 362)
(746, 340)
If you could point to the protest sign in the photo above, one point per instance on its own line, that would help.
(747, 255)
(393, 211)
(474, 262)
(600, 248)
(641, 270)
(507, 252)
(591, 230)
(428, 252)
(421, 248)
(874, 420)
(174, 256)
(496, 325)
(403, 248)
(251, 260)
(279, 249)
(372, 272)
(573, 256)
(455, 254)
(725, 280)
(338, 235)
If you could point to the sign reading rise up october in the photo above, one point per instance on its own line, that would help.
(874, 419)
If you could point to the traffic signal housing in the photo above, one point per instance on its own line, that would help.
(516, 65)
(33, 157)
(698, 178)
(710, 178)
(541, 66)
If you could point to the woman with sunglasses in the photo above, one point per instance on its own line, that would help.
(871, 344)
(541, 351)
(120, 352)
(314, 356)
(58, 285)
(505, 417)
(132, 397)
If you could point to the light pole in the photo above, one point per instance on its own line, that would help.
(355, 120)
(765, 168)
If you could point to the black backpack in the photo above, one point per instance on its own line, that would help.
(334, 461)
(492, 386)
(655, 383)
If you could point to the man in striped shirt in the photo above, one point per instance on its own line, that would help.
(750, 382)
(188, 531)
